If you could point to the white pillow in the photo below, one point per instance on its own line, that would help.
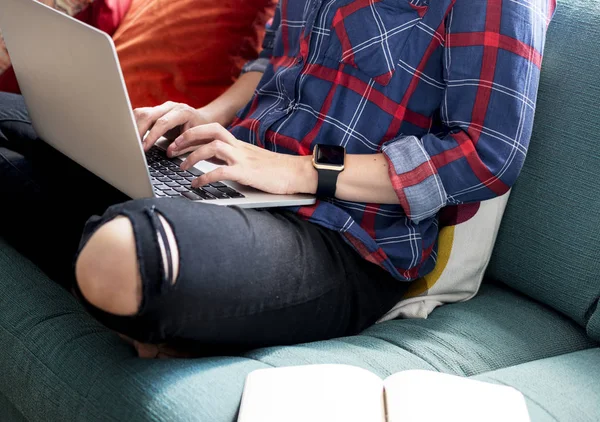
(465, 246)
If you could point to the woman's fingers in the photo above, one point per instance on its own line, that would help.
(215, 149)
(146, 116)
(217, 175)
(175, 153)
(172, 119)
(161, 120)
(211, 142)
(202, 134)
(143, 120)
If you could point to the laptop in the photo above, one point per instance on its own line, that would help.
(71, 80)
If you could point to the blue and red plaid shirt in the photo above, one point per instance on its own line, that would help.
(445, 89)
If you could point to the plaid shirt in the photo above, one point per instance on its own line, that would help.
(445, 89)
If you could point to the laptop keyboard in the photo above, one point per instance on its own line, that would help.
(169, 180)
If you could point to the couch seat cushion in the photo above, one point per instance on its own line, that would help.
(558, 389)
(496, 329)
(59, 364)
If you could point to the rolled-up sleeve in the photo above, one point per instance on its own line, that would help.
(262, 62)
(491, 81)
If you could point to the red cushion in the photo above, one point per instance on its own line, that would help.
(188, 50)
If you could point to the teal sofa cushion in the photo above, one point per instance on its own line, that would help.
(548, 246)
(59, 364)
(497, 328)
(563, 388)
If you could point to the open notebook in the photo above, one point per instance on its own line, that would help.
(334, 393)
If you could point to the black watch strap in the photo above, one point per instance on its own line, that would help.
(327, 183)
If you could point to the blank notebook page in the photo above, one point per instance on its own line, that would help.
(312, 393)
(418, 396)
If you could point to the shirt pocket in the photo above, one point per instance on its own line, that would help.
(371, 37)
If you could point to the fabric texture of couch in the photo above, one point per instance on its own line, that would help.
(534, 325)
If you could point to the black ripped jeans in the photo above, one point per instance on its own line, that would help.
(247, 278)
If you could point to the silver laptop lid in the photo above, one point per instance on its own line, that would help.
(71, 80)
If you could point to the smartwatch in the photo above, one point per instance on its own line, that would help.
(329, 161)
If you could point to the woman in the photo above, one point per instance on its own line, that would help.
(433, 103)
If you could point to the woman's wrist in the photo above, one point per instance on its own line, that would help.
(364, 179)
(305, 175)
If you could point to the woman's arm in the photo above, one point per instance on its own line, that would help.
(365, 178)
(223, 109)
(488, 110)
(172, 119)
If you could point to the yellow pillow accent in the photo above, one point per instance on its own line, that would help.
(445, 241)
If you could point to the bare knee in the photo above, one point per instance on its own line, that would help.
(107, 269)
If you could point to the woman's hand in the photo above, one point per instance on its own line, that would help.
(169, 120)
(243, 163)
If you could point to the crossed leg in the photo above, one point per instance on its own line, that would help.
(172, 271)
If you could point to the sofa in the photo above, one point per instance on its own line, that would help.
(534, 325)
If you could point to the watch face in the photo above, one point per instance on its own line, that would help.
(330, 155)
